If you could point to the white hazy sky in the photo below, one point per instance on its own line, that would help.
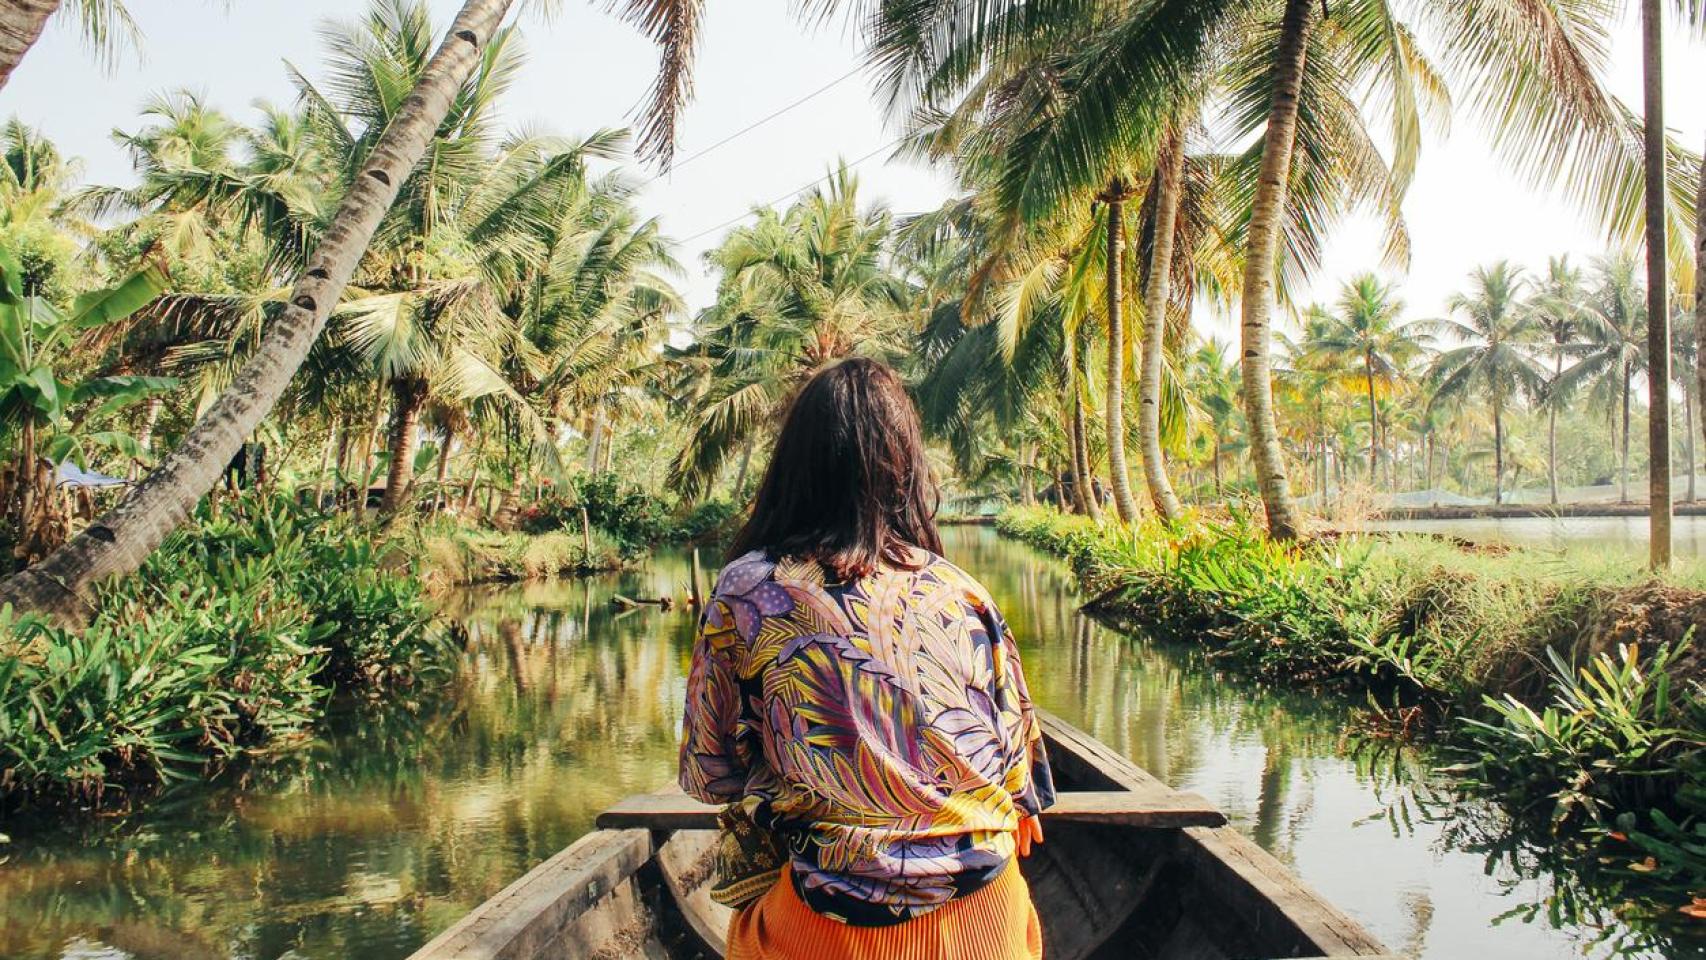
(586, 69)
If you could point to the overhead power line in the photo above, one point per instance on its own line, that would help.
(791, 194)
(820, 91)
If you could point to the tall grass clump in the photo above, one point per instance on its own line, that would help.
(229, 640)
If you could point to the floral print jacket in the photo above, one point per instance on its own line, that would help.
(882, 727)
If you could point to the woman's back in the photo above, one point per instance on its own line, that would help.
(858, 698)
(881, 724)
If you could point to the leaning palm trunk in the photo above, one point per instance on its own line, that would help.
(120, 541)
(1119, 475)
(21, 24)
(145, 436)
(1373, 422)
(445, 443)
(1260, 261)
(740, 475)
(370, 445)
(326, 465)
(1157, 294)
(1083, 484)
(595, 443)
(411, 397)
(1027, 488)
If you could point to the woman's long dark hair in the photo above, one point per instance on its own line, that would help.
(847, 485)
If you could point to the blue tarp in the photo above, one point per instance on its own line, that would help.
(75, 477)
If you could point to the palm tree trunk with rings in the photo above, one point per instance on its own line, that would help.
(1119, 474)
(1260, 263)
(1169, 177)
(21, 25)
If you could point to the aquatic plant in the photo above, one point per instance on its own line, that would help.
(1622, 732)
(229, 639)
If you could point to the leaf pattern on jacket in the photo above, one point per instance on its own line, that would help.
(883, 726)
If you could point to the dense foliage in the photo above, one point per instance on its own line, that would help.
(229, 641)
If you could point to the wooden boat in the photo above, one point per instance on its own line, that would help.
(1130, 869)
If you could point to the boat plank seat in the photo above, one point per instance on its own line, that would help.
(1171, 810)
(1130, 870)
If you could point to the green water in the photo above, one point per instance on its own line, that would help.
(407, 814)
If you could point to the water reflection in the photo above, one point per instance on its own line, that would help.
(399, 820)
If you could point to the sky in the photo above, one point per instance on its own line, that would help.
(586, 69)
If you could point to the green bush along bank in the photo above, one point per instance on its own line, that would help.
(598, 525)
(634, 520)
(228, 641)
(1570, 690)
(452, 555)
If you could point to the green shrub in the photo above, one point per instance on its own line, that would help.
(714, 522)
(1620, 733)
(230, 638)
(452, 555)
(633, 520)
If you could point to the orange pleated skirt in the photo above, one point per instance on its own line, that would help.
(998, 922)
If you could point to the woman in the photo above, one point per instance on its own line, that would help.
(858, 697)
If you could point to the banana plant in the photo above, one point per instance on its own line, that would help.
(49, 416)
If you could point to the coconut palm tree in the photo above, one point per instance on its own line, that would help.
(118, 542)
(1367, 332)
(35, 179)
(1560, 307)
(204, 180)
(1167, 188)
(798, 290)
(1495, 361)
(1613, 347)
(1213, 386)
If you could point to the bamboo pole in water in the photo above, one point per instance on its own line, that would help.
(696, 586)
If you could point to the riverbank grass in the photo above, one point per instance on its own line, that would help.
(451, 555)
(229, 641)
(1572, 689)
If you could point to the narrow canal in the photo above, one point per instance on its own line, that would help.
(406, 814)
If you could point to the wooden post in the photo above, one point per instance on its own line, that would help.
(698, 591)
(586, 538)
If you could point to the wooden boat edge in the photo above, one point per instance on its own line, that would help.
(585, 894)
(549, 902)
